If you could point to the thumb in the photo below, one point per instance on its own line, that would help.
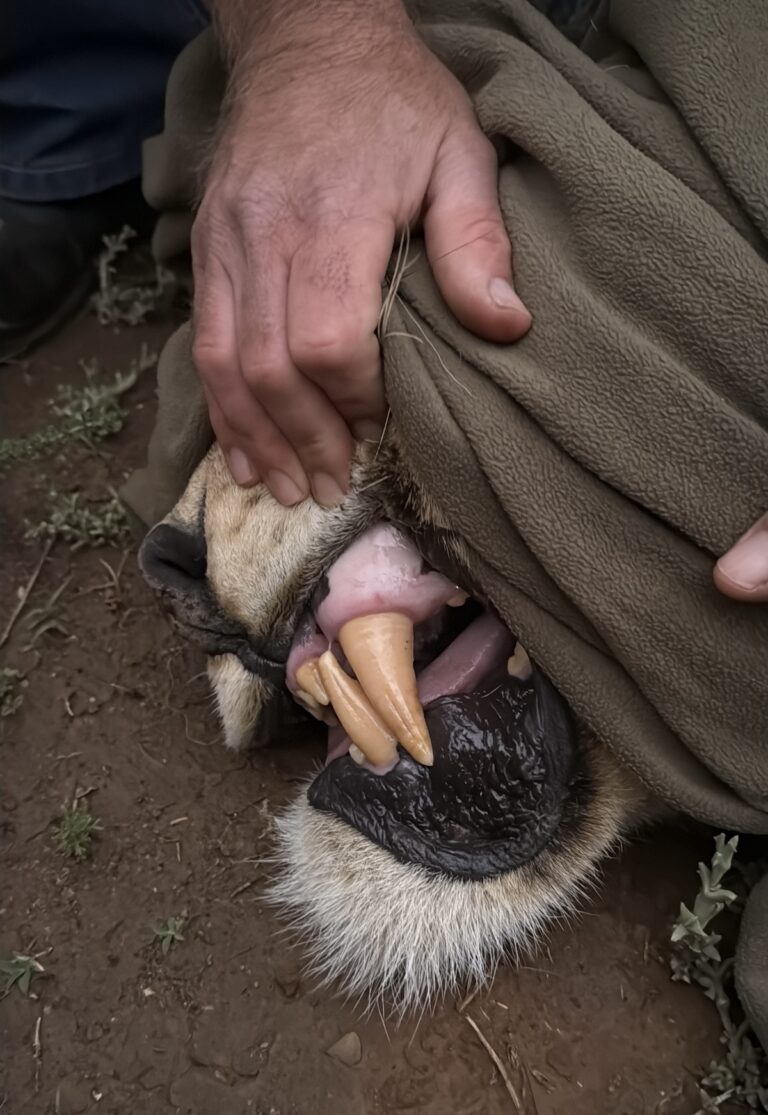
(743, 572)
(467, 244)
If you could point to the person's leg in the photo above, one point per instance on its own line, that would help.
(82, 84)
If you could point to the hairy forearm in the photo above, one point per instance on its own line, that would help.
(256, 29)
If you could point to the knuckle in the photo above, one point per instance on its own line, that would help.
(265, 375)
(488, 228)
(331, 348)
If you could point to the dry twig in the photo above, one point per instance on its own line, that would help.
(24, 596)
(37, 1051)
(498, 1064)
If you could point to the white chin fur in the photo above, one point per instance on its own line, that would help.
(402, 938)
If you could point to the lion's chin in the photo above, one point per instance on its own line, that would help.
(397, 937)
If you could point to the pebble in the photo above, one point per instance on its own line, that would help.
(347, 1049)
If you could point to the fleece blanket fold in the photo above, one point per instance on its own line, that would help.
(594, 470)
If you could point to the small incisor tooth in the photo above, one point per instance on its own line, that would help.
(355, 714)
(308, 678)
(459, 597)
(379, 648)
(309, 702)
(519, 664)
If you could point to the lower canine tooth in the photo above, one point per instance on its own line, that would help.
(355, 714)
(519, 665)
(379, 648)
(356, 754)
(308, 678)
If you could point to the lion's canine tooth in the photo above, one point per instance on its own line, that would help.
(361, 723)
(379, 648)
(519, 664)
(356, 755)
(308, 678)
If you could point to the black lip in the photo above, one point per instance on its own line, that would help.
(505, 761)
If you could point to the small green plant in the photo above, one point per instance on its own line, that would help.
(10, 695)
(126, 303)
(168, 932)
(742, 1074)
(84, 415)
(101, 523)
(19, 971)
(75, 831)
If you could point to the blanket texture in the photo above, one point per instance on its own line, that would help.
(595, 469)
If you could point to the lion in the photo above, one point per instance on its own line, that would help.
(461, 805)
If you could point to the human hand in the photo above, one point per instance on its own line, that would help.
(344, 130)
(743, 572)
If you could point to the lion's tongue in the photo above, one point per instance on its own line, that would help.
(480, 649)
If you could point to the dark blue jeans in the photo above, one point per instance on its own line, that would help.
(82, 83)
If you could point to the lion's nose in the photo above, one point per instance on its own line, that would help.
(173, 559)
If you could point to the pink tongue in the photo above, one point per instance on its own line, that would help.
(483, 646)
(381, 572)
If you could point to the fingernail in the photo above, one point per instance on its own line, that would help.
(284, 488)
(367, 431)
(746, 565)
(503, 295)
(327, 491)
(241, 468)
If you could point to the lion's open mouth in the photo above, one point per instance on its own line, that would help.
(446, 746)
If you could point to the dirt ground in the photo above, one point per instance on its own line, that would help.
(118, 710)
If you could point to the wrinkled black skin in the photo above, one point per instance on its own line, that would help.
(505, 761)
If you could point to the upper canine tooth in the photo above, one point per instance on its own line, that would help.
(308, 678)
(355, 714)
(519, 664)
(379, 648)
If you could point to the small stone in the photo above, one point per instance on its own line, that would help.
(347, 1049)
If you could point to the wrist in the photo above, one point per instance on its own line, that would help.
(256, 33)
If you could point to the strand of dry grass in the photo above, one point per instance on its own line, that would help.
(498, 1064)
(37, 1051)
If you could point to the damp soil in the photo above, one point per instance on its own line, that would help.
(117, 711)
